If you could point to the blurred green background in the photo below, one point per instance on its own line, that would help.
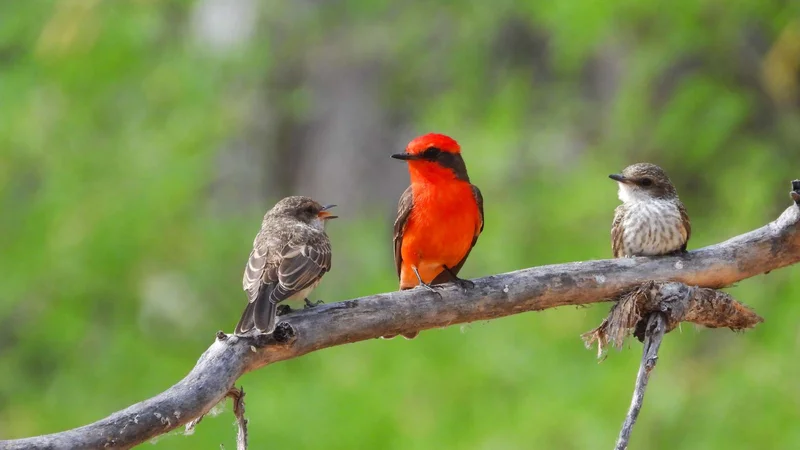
(142, 141)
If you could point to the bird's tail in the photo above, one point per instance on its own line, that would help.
(259, 314)
(246, 323)
(264, 314)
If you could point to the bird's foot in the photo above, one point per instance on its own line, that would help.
(464, 284)
(432, 288)
(424, 284)
(282, 310)
(309, 304)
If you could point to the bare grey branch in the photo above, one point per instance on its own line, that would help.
(770, 247)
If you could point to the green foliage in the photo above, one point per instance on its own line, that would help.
(117, 272)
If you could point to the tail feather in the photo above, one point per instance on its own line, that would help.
(264, 314)
(259, 314)
(246, 323)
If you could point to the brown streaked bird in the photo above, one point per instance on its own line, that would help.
(290, 255)
(651, 219)
(439, 216)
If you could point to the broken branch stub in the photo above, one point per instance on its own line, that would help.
(678, 303)
(795, 192)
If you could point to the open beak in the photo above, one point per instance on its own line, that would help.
(406, 156)
(619, 178)
(324, 214)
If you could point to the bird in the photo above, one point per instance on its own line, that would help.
(439, 215)
(651, 220)
(291, 253)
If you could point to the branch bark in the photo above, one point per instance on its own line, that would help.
(770, 247)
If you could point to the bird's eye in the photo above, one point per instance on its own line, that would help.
(310, 209)
(647, 182)
(431, 153)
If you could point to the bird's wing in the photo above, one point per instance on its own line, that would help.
(687, 225)
(254, 271)
(294, 267)
(479, 200)
(444, 276)
(260, 277)
(616, 232)
(404, 207)
(303, 263)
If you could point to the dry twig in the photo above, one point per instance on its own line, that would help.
(653, 334)
(237, 397)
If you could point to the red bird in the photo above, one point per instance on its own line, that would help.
(439, 217)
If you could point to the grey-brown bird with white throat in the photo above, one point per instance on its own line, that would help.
(290, 255)
(651, 219)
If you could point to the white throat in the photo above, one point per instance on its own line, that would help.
(631, 194)
(319, 224)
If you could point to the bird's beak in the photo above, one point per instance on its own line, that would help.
(406, 156)
(324, 214)
(619, 178)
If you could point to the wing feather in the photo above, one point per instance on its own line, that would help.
(301, 266)
(479, 200)
(404, 208)
(253, 273)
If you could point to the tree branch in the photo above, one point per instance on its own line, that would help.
(768, 248)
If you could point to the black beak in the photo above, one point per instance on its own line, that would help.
(406, 156)
(324, 214)
(620, 178)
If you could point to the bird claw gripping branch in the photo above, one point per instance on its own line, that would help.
(309, 304)
(283, 310)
